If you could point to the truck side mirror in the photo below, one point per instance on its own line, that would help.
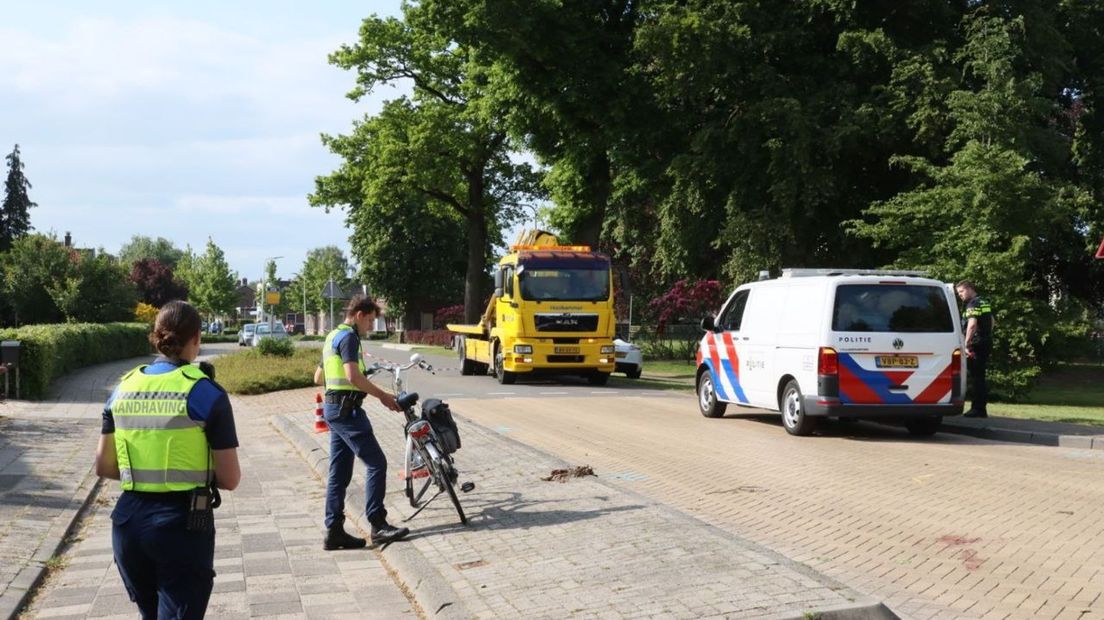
(498, 282)
(707, 324)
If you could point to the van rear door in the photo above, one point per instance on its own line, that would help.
(896, 342)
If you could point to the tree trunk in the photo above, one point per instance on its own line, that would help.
(477, 247)
(599, 187)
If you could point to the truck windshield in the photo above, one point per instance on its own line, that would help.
(565, 284)
(891, 308)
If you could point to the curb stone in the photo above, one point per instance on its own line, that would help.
(438, 599)
(432, 593)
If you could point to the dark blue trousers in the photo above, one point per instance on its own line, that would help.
(167, 570)
(352, 438)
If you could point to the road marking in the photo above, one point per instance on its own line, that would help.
(554, 393)
(501, 393)
(502, 429)
(605, 392)
(451, 394)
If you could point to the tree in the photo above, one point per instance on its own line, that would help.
(15, 219)
(155, 282)
(322, 265)
(999, 201)
(447, 143)
(95, 289)
(211, 287)
(408, 255)
(33, 264)
(140, 247)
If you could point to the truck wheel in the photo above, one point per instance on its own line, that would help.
(598, 378)
(924, 427)
(467, 366)
(505, 377)
(793, 411)
(708, 404)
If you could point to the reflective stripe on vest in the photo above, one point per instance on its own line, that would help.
(158, 447)
(332, 366)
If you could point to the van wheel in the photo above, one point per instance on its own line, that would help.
(505, 377)
(708, 404)
(924, 427)
(467, 366)
(793, 413)
(634, 373)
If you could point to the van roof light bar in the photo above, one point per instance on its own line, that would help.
(804, 273)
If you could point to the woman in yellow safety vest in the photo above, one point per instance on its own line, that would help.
(168, 435)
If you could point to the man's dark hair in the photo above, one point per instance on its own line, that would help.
(966, 284)
(361, 303)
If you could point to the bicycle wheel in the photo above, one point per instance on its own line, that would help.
(444, 472)
(429, 466)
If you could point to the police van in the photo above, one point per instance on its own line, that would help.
(843, 343)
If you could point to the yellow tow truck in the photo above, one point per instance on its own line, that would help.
(551, 313)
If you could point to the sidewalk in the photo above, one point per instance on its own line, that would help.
(1028, 431)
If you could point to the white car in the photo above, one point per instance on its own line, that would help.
(629, 358)
(263, 330)
(245, 334)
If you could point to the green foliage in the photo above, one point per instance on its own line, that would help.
(248, 372)
(320, 265)
(141, 246)
(211, 287)
(15, 218)
(45, 282)
(50, 351)
(443, 152)
(271, 347)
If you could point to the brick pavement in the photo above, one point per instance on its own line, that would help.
(268, 553)
(585, 549)
(945, 527)
(46, 477)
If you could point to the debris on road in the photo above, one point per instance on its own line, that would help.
(561, 475)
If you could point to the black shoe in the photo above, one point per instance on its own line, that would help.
(387, 533)
(975, 414)
(337, 538)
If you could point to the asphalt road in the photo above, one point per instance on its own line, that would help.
(948, 526)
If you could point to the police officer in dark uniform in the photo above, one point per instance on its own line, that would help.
(979, 344)
(350, 430)
(168, 435)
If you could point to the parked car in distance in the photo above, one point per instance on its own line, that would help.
(629, 358)
(215, 327)
(245, 334)
(263, 330)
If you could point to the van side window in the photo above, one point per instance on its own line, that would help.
(734, 314)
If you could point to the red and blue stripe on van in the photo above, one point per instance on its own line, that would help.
(718, 353)
(858, 385)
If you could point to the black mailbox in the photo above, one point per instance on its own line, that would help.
(9, 352)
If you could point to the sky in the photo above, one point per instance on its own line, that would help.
(183, 120)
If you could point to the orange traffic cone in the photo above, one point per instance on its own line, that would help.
(320, 425)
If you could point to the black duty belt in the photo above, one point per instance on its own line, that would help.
(336, 398)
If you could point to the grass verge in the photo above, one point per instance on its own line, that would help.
(249, 372)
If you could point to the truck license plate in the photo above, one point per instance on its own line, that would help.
(897, 361)
(567, 349)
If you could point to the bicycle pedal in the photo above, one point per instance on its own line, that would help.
(467, 486)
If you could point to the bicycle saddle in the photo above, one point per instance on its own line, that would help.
(407, 400)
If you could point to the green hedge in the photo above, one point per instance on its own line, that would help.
(50, 351)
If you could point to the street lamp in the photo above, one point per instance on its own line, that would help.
(264, 286)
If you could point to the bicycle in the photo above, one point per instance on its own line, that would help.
(424, 455)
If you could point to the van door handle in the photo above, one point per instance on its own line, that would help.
(745, 338)
(898, 388)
